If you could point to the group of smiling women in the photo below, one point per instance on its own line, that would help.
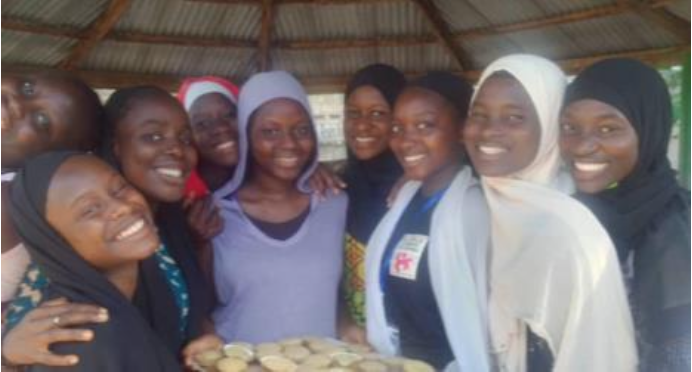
(524, 225)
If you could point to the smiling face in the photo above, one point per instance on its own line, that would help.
(44, 112)
(368, 122)
(215, 129)
(502, 132)
(426, 135)
(598, 143)
(282, 140)
(104, 219)
(153, 144)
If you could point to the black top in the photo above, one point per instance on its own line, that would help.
(410, 302)
(153, 296)
(281, 230)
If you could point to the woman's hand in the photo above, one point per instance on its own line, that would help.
(29, 342)
(353, 334)
(200, 344)
(323, 180)
(203, 217)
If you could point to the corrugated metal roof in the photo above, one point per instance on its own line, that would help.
(551, 42)
(345, 62)
(485, 50)
(177, 17)
(475, 14)
(76, 13)
(554, 7)
(461, 15)
(302, 21)
(680, 8)
(322, 22)
(169, 60)
(618, 33)
(31, 49)
(499, 12)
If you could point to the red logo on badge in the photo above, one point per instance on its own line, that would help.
(402, 262)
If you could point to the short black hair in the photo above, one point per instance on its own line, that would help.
(117, 106)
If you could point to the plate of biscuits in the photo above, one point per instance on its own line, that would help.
(309, 354)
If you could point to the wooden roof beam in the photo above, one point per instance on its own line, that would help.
(556, 20)
(377, 42)
(39, 28)
(659, 3)
(266, 26)
(111, 80)
(397, 41)
(126, 36)
(107, 79)
(663, 18)
(97, 31)
(289, 2)
(216, 42)
(443, 33)
(182, 40)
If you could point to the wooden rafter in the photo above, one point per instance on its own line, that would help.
(97, 31)
(576, 16)
(138, 37)
(659, 3)
(289, 2)
(663, 18)
(378, 42)
(396, 41)
(266, 26)
(106, 79)
(39, 28)
(441, 30)
(126, 36)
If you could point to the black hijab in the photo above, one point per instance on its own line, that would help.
(126, 342)
(369, 181)
(634, 212)
(453, 88)
(153, 296)
(639, 92)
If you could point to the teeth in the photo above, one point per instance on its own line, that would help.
(590, 167)
(170, 172)
(413, 158)
(492, 150)
(365, 139)
(131, 230)
(288, 161)
(226, 145)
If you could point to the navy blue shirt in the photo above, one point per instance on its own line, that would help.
(408, 298)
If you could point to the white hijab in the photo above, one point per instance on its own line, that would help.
(459, 233)
(553, 266)
(258, 90)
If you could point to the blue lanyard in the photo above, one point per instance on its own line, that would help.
(387, 260)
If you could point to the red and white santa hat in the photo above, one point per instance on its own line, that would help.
(193, 88)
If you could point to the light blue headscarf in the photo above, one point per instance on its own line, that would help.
(260, 89)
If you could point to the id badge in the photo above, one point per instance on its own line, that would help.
(407, 256)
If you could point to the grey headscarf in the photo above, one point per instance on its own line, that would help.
(260, 89)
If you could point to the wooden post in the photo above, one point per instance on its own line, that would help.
(441, 30)
(264, 51)
(95, 33)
